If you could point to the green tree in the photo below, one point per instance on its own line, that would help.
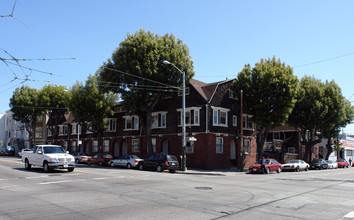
(54, 98)
(136, 72)
(88, 103)
(310, 112)
(269, 95)
(26, 108)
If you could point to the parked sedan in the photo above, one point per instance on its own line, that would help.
(160, 163)
(24, 150)
(271, 165)
(100, 159)
(332, 164)
(81, 157)
(128, 161)
(296, 165)
(7, 151)
(342, 163)
(318, 164)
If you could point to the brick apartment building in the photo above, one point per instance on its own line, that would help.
(212, 117)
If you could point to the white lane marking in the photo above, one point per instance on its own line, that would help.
(35, 177)
(61, 181)
(350, 215)
(101, 178)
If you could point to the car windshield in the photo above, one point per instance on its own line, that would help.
(294, 161)
(341, 160)
(53, 150)
(135, 157)
(316, 161)
(171, 157)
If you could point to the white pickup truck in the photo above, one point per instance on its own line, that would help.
(49, 157)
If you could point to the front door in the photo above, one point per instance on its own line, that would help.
(124, 148)
(165, 147)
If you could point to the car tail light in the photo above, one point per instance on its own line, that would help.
(84, 157)
(135, 161)
(166, 163)
(178, 164)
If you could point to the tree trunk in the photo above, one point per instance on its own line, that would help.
(260, 143)
(329, 148)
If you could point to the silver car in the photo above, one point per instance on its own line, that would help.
(81, 157)
(128, 161)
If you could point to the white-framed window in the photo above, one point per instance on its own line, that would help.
(192, 116)
(136, 145)
(247, 146)
(190, 147)
(89, 128)
(234, 120)
(75, 127)
(106, 146)
(111, 124)
(232, 94)
(73, 146)
(158, 120)
(220, 116)
(153, 140)
(219, 145)
(247, 124)
(94, 146)
(180, 92)
(118, 109)
(49, 132)
(39, 133)
(131, 122)
(349, 153)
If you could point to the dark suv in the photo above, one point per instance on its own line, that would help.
(7, 151)
(160, 163)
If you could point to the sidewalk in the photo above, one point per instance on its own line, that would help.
(232, 171)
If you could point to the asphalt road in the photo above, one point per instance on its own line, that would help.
(115, 193)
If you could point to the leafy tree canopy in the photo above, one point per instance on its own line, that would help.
(269, 91)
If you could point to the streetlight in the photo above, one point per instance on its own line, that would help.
(183, 114)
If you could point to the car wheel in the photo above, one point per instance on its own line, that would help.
(297, 169)
(307, 168)
(279, 170)
(70, 169)
(141, 167)
(77, 161)
(267, 170)
(112, 164)
(129, 166)
(100, 163)
(89, 163)
(27, 164)
(158, 168)
(46, 167)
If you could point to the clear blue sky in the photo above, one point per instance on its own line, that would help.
(222, 36)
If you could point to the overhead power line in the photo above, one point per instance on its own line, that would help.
(325, 60)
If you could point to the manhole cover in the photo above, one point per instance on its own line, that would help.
(203, 187)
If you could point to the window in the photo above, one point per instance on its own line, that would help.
(247, 146)
(180, 92)
(73, 146)
(158, 120)
(131, 122)
(65, 145)
(94, 146)
(135, 145)
(75, 128)
(38, 133)
(118, 109)
(220, 116)
(190, 147)
(234, 120)
(291, 150)
(63, 130)
(153, 140)
(349, 153)
(49, 132)
(106, 146)
(111, 124)
(192, 116)
(89, 128)
(219, 145)
(232, 94)
(247, 124)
